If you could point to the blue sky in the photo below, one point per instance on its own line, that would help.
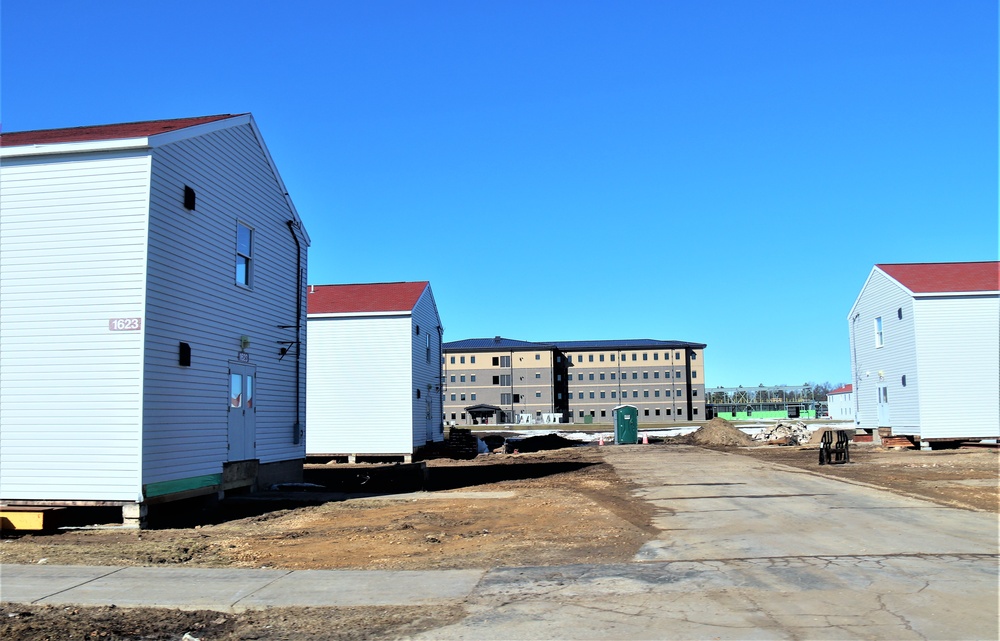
(724, 172)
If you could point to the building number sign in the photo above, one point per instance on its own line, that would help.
(125, 324)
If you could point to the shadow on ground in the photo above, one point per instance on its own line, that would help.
(340, 482)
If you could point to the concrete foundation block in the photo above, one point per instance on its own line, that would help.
(134, 514)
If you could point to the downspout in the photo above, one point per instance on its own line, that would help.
(687, 379)
(441, 384)
(297, 428)
(512, 410)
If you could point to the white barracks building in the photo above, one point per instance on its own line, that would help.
(152, 312)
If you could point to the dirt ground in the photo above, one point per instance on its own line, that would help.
(964, 478)
(584, 515)
(559, 507)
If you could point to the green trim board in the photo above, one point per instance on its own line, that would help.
(182, 485)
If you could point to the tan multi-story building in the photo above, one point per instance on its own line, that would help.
(582, 381)
(499, 379)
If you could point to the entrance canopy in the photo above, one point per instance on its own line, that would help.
(483, 413)
(482, 410)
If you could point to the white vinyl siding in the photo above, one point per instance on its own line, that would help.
(193, 297)
(72, 257)
(886, 365)
(959, 361)
(360, 385)
(426, 375)
(841, 406)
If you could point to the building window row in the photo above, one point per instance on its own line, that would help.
(679, 412)
(635, 393)
(634, 356)
(635, 375)
(444, 397)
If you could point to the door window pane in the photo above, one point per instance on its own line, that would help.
(249, 391)
(235, 390)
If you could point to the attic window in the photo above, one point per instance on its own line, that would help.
(189, 198)
(418, 393)
(899, 313)
(418, 330)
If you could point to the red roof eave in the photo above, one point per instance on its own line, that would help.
(103, 132)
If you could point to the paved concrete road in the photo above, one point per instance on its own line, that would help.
(229, 590)
(750, 550)
(747, 550)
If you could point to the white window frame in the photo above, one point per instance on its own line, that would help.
(879, 336)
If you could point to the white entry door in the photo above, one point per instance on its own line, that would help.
(883, 405)
(242, 412)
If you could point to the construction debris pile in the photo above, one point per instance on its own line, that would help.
(797, 433)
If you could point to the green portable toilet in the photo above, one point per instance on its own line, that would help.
(626, 419)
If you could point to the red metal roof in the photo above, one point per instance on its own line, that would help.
(373, 297)
(103, 132)
(843, 389)
(924, 278)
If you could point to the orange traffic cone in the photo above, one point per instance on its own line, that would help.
(645, 440)
(600, 440)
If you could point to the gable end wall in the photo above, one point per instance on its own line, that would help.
(883, 297)
(427, 425)
(193, 298)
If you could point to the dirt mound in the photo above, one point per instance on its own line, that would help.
(540, 443)
(719, 431)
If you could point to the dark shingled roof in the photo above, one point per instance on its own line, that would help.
(499, 344)
(628, 343)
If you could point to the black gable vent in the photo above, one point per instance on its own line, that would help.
(188, 197)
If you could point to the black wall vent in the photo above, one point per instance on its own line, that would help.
(188, 197)
(184, 355)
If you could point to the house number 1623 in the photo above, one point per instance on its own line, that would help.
(125, 324)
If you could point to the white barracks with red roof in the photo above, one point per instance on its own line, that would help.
(925, 351)
(152, 330)
(374, 370)
(840, 403)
